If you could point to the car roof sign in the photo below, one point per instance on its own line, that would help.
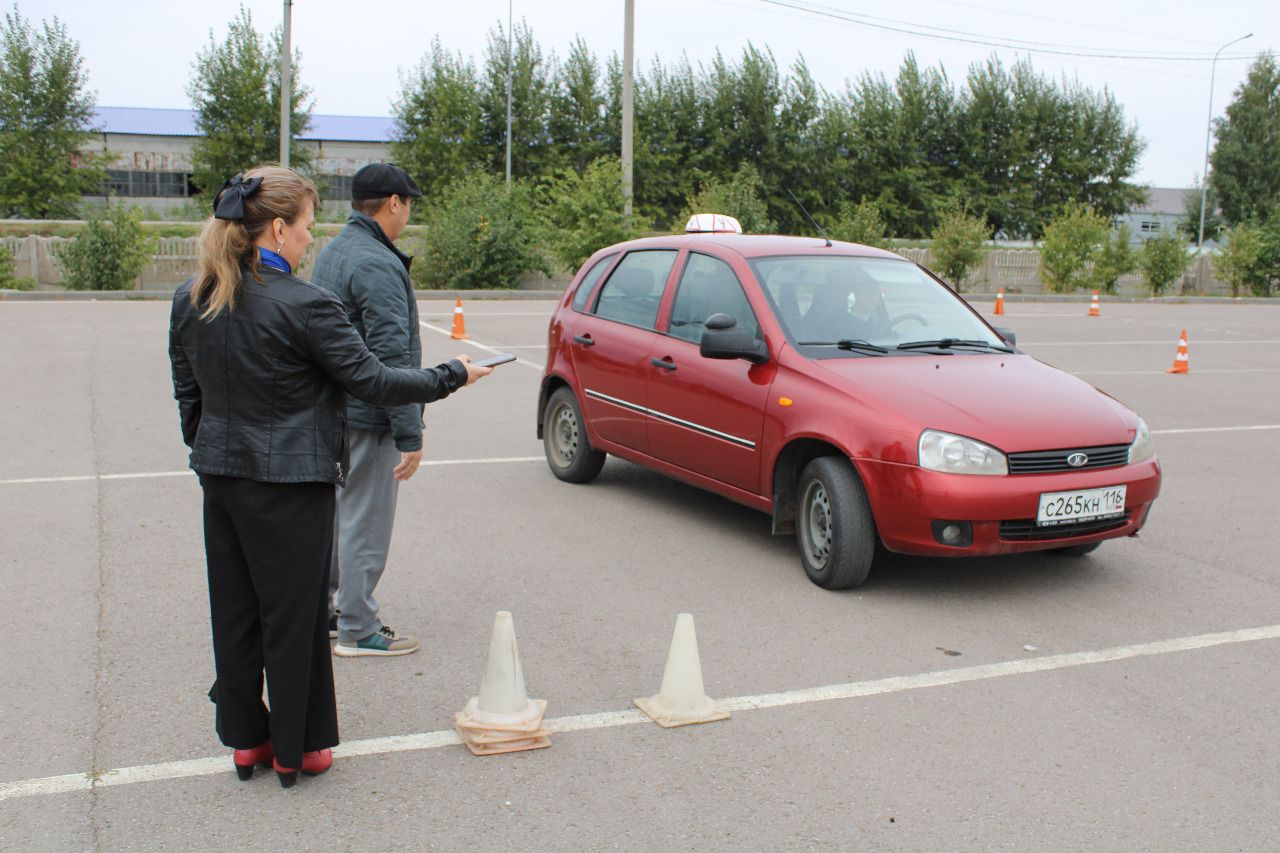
(712, 223)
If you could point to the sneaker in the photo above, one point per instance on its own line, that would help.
(384, 642)
(333, 627)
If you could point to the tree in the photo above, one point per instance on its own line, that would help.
(45, 115)
(577, 109)
(235, 87)
(438, 124)
(532, 153)
(1163, 260)
(109, 253)
(1246, 156)
(739, 196)
(481, 234)
(958, 244)
(1071, 245)
(860, 223)
(1190, 222)
(1238, 260)
(584, 212)
(1115, 258)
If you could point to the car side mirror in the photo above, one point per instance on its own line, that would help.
(1008, 334)
(724, 338)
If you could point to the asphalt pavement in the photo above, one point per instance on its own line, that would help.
(1126, 700)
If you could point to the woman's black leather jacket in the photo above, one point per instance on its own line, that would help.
(262, 389)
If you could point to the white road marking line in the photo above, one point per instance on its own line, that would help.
(430, 463)
(1193, 341)
(448, 332)
(609, 719)
(449, 315)
(1198, 370)
(1213, 429)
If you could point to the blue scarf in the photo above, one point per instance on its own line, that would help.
(269, 258)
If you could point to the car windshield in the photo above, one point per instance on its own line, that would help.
(838, 304)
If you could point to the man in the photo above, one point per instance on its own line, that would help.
(371, 277)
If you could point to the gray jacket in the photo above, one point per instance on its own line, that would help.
(371, 277)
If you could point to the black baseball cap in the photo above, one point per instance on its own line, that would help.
(379, 180)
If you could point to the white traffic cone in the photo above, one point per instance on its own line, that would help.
(502, 718)
(682, 699)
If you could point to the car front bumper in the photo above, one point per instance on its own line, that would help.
(906, 500)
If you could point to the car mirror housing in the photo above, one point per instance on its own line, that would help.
(724, 338)
(1008, 334)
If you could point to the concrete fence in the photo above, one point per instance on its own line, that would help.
(1015, 270)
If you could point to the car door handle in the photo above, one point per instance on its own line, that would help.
(585, 340)
(664, 363)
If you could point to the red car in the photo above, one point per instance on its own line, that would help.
(843, 390)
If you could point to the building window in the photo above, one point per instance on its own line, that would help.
(122, 182)
(1149, 226)
(336, 187)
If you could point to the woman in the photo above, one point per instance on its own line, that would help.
(262, 364)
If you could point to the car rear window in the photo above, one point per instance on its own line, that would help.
(588, 283)
(633, 290)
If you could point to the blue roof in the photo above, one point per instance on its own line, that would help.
(151, 121)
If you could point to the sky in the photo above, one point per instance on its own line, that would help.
(354, 55)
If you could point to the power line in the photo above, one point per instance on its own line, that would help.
(945, 34)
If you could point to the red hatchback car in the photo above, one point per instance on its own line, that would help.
(842, 389)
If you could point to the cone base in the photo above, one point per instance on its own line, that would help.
(484, 746)
(657, 710)
(1177, 370)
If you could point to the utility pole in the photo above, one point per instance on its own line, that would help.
(628, 101)
(509, 72)
(286, 90)
(1208, 128)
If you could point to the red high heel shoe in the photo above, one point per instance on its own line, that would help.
(246, 759)
(313, 764)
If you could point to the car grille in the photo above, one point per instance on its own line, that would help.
(1042, 461)
(1026, 529)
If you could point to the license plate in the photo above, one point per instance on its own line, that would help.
(1088, 505)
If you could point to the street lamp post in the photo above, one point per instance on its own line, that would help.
(1208, 129)
(286, 88)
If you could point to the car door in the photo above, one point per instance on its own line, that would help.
(707, 415)
(611, 345)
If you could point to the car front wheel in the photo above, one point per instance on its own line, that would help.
(834, 528)
(564, 439)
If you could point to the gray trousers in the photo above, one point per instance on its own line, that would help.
(366, 511)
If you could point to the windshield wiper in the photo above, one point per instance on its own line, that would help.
(847, 344)
(948, 343)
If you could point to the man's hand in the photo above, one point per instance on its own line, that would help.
(474, 371)
(408, 466)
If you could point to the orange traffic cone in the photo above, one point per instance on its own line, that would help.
(459, 332)
(1094, 309)
(1181, 363)
(1000, 301)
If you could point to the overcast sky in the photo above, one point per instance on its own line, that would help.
(140, 53)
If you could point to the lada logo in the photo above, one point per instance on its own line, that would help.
(1075, 460)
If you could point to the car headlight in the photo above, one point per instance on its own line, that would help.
(955, 454)
(1143, 448)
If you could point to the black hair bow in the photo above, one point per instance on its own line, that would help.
(229, 203)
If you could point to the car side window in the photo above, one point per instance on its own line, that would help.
(633, 291)
(588, 283)
(708, 286)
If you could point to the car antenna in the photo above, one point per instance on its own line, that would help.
(810, 218)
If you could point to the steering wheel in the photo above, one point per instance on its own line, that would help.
(902, 318)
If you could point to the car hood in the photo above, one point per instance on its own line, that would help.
(1012, 402)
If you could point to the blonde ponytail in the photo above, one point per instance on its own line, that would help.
(227, 246)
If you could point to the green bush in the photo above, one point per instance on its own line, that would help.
(860, 223)
(583, 213)
(481, 236)
(1116, 257)
(8, 281)
(738, 196)
(1163, 261)
(1072, 242)
(108, 253)
(958, 244)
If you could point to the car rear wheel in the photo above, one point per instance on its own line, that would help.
(834, 529)
(564, 439)
(1077, 550)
